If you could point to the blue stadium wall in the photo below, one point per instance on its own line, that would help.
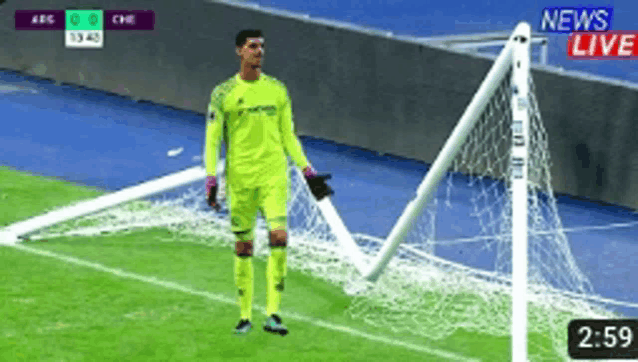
(361, 89)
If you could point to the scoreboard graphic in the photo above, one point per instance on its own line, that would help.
(84, 28)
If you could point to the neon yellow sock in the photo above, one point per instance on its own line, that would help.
(244, 282)
(275, 275)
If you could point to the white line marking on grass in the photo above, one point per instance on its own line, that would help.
(222, 299)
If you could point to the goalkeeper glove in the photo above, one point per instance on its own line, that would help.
(211, 192)
(317, 183)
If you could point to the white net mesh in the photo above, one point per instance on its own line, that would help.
(466, 283)
(453, 269)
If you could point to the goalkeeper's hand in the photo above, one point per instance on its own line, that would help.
(211, 192)
(317, 183)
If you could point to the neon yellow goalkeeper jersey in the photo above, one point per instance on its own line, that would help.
(254, 118)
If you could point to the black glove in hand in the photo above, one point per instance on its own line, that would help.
(318, 185)
(211, 192)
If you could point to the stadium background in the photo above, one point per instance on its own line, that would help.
(109, 141)
(430, 18)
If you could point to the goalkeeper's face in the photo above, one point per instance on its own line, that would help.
(252, 52)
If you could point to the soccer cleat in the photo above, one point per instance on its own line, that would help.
(273, 325)
(243, 327)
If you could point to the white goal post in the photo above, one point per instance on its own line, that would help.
(518, 42)
(12, 233)
(514, 56)
(475, 42)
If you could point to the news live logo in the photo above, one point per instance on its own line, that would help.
(591, 36)
(570, 19)
(617, 44)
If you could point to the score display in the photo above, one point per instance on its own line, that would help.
(84, 28)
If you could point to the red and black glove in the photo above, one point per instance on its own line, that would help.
(211, 192)
(317, 183)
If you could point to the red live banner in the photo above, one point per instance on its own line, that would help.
(612, 44)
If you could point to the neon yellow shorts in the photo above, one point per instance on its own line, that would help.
(270, 199)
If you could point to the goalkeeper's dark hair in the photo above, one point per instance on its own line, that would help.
(241, 37)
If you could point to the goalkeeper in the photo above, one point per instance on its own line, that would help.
(252, 113)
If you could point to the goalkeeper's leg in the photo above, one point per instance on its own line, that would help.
(276, 270)
(242, 214)
(244, 275)
(274, 203)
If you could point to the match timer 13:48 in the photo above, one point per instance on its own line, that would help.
(602, 338)
(84, 29)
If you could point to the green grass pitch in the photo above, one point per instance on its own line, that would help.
(147, 296)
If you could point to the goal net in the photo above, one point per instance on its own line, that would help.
(452, 267)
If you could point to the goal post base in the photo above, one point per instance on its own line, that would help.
(84, 208)
(8, 238)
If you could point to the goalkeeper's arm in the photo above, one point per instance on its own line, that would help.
(292, 146)
(214, 127)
